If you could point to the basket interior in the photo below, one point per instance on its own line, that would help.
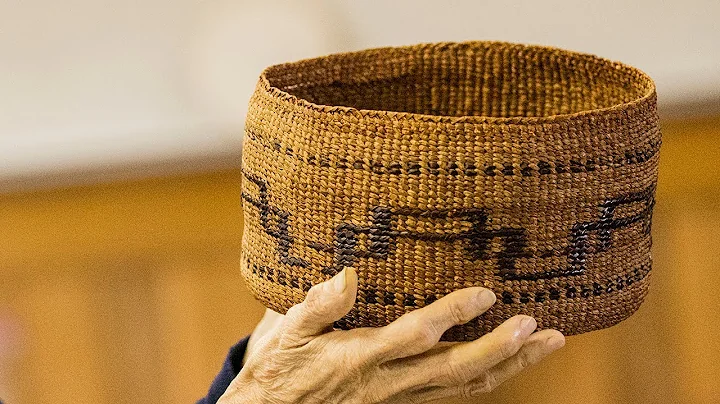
(464, 79)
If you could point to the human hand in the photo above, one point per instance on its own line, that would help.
(303, 360)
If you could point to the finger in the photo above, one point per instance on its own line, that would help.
(324, 304)
(464, 362)
(537, 347)
(420, 330)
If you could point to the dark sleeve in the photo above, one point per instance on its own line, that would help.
(230, 369)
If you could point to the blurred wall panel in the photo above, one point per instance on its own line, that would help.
(124, 293)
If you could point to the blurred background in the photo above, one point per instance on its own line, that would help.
(121, 128)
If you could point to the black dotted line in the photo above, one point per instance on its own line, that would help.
(271, 275)
(469, 168)
(373, 296)
(586, 290)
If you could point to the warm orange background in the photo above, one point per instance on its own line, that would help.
(130, 293)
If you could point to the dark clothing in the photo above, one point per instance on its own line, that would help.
(230, 369)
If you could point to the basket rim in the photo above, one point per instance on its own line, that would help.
(649, 95)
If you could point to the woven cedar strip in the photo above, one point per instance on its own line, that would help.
(561, 148)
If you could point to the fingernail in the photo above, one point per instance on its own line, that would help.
(485, 296)
(555, 342)
(340, 281)
(527, 324)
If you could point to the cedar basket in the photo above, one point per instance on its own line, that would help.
(528, 170)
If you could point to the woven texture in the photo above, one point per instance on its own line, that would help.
(524, 169)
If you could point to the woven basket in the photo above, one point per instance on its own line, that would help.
(524, 169)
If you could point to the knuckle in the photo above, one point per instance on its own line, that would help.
(456, 373)
(524, 360)
(482, 385)
(508, 347)
(293, 311)
(458, 313)
(314, 303)
(423, 332)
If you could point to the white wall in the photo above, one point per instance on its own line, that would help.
(91, 84)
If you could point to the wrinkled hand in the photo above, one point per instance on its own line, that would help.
(302, 360)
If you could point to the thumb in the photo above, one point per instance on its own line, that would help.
(324, 304)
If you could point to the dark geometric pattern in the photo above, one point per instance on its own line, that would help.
(382, 234)
(606, 224)
(276, 222)
(382, 237)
